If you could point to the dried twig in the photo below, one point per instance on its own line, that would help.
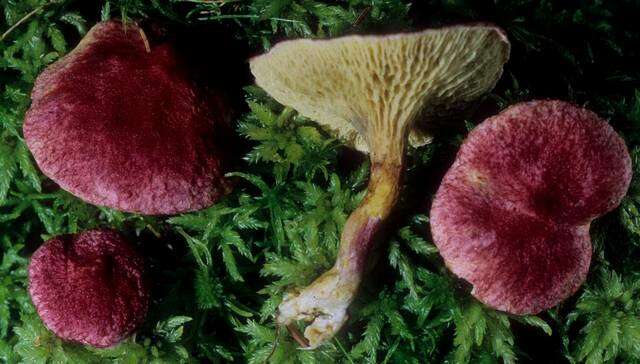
(297, 336)
(22, 20)
(275, 344)
(363, 15)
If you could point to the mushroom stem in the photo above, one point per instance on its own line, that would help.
(362, 227)
(324, 302)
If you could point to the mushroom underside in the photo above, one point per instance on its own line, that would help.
(369, 91)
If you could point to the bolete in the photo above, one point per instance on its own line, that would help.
(119, 122)
(370, 90)
(512, 214)
(89, 288)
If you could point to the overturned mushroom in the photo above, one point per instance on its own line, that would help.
(512, 214)
(369, 90)
(118, 122)
(88, 287)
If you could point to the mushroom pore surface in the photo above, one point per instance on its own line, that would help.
(118, 122)
(88, 287)
(512, 215)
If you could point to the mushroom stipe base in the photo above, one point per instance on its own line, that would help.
(324, 302)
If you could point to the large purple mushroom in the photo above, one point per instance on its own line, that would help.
(119, 122)
(89, 288)
(512, 215)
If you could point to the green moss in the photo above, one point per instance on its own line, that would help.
(220, 273)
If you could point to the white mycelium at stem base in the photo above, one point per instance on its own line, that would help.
(369, 90)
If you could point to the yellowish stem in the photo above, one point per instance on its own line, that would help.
(325, 302)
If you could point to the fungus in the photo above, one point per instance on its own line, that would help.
(88, 288)
(369, 90)
(118, 122)
(512, 214)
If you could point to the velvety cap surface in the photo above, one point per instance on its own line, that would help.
(512, 214)
(118, 123)
(89, 287)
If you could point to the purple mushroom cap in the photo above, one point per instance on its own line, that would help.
(118, 122)
(89, 288)
(512, 215)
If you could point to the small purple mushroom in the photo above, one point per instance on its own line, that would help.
(512, 215)
(88, 288)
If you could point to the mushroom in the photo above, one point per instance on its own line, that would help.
(512, 214)
(369, 91)
(118, 122)
(88, 288)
